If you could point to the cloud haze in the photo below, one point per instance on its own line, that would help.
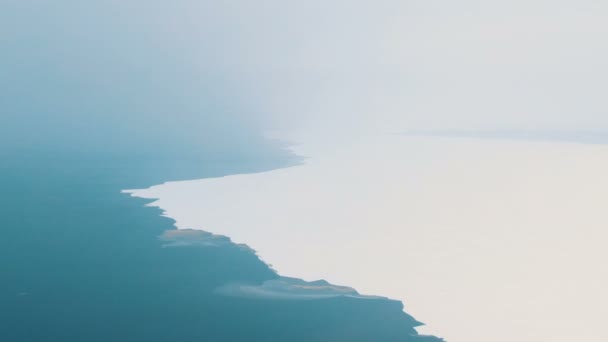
(320, 66)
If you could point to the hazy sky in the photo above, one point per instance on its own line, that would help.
(318, 65)
(413, 64)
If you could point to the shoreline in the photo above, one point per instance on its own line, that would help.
(255, 209)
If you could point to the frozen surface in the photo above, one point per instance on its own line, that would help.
(481, 239)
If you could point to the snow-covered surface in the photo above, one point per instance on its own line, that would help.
(483, 240)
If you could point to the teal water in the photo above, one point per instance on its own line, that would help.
(82, 262)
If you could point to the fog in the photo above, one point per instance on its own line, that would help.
(321, 66)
